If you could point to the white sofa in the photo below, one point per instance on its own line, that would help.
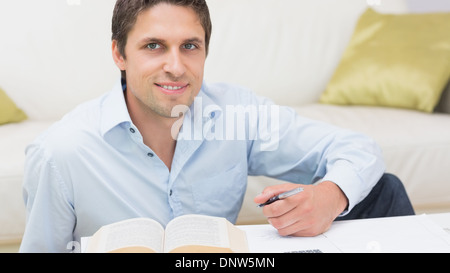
(56, 54)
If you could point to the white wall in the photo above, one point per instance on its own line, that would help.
(52, 49)
(429, 5)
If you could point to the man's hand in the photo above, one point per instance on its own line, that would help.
(308, 213)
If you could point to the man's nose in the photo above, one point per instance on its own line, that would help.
(174, 63)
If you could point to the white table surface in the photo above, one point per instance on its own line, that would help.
(442, 219)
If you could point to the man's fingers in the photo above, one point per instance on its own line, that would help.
(272, 191)
(281, 220)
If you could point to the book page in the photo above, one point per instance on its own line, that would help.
(197, 230)
(133, 235)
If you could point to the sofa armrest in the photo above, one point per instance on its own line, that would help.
(444, 103)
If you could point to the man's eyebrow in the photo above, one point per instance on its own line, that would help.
(194, 40)
(150, 40)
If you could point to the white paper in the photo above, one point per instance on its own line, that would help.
(413, 234)
(265, 239)
(406, 234)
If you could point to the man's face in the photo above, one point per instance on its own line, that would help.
(165, 58)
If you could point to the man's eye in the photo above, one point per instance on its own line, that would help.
(153, 46)
(189, 46)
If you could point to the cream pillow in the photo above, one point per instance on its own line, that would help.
(395, 61)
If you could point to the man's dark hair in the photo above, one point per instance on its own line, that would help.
(126, 13)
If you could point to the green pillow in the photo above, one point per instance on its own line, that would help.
(394, 60)
(9, 111)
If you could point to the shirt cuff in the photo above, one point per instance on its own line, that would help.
(352, 185)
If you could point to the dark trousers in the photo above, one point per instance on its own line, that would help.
(387, 198)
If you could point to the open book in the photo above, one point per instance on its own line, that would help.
(184, 234)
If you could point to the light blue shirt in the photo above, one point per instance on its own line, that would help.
(92, 167)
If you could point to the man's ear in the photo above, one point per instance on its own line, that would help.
(118, 58)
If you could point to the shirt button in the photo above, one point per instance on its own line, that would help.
(132, 130)
(150, 155)
(170, 193)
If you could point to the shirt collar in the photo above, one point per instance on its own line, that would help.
(114, 109)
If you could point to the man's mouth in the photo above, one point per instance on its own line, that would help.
(172, 88)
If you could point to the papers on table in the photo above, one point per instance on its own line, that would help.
(413, 234)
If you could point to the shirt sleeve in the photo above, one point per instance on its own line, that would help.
(300, 150)
(50, 213)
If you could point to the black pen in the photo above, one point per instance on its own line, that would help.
(281, 196)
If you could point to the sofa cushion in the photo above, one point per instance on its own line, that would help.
(9, 112)
(394, 60)
(14, 137)
(285, 43)
(444, 103)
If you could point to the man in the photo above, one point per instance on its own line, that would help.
(155, 146)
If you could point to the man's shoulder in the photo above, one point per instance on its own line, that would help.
(73, 127)
(230, 93)
(227, 91)
(84, 116)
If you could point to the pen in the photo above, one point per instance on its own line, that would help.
(281, 196)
